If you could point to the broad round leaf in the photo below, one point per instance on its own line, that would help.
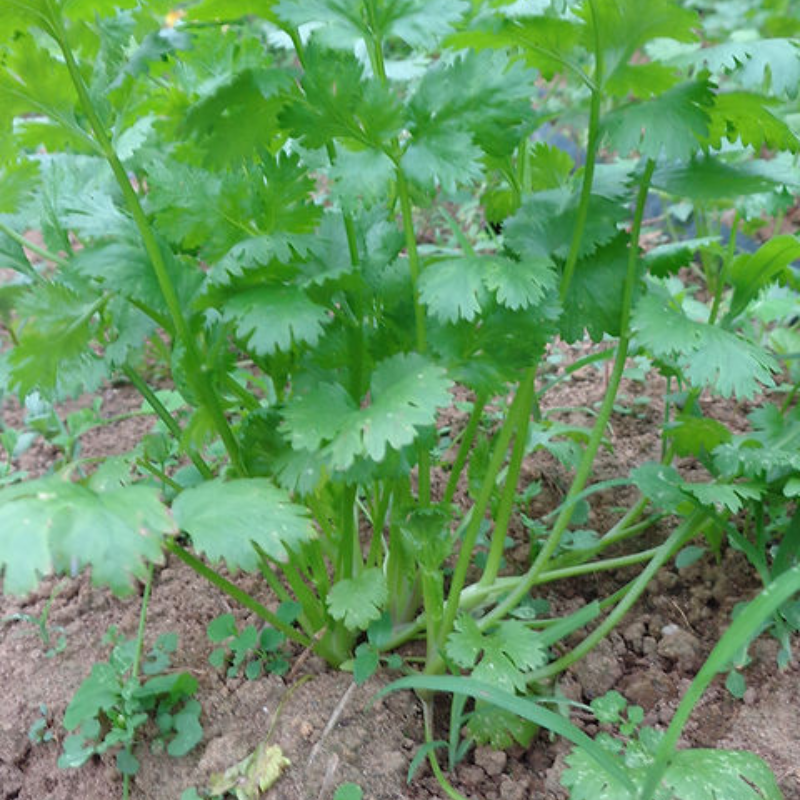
(225, 519)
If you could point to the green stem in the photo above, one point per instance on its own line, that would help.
(663, 553)
(378, 521)
(621, 528)
(194, 364)
(247, 398)
(478, 510)
(413, 256)
(506, 506)
(447, 788)
(137, 656)
(312, 607)
(432, 599)
(349, 546)
(163, 414)
(322, 581)
(34, 248)
(722, 278)
(241, 597)
(160, 475)
(589, 165)
(467, 439)
(477, 594)
(423, 455)
(598, 431)
(604, 565)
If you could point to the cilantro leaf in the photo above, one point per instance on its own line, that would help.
(594, 298)
(724, 496)
(225, 519)
(240, 117)
(746, 117)
(419, 23)
(34, 81)
(406, 391)
(692, 774)
(54, 354)
(360, 600)
(621, 29)
(543, 225)
(457, 288)
(361, 176)
(670, 126)
(502, 656)
(213, 211)
(711, 356)
(662, 484)
(774, 62)
(543, 40)
(444, 155)
(522, 645)
(485, 93)
(465, 643)
(338, 101)
(273, 318)
(710, 179)
(454, 289)
(53, 525)
(479, 103)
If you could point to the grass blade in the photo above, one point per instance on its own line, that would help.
(743, 627)
(527, 709)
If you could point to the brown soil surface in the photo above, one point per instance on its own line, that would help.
(326, 727)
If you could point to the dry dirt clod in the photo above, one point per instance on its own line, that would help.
(492, 761)
(645, 689)
(599, 671)
(634, 634)
(681, 647)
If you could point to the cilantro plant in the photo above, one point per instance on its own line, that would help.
(241, 190)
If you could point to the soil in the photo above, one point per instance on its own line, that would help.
(328, 728)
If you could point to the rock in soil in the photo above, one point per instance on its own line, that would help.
(599, 671)
(681, 647)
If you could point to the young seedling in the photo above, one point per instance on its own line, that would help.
(52, 638)
(110, 707)
(258, 652)
(41, 731)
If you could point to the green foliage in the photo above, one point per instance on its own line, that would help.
(406, 391)
(53, 525)
(219, 514)
(112, 704)
(709, 355)
(502, 658)
(693, 774)
(257, 652)
(52, 637)
(274, 209)
(348, 791)
(359, 601)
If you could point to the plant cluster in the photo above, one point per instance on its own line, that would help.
(111, 706)
(240, 190)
